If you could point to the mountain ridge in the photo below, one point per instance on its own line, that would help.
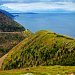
(7, 24)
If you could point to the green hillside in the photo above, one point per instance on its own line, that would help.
(43, 48)
(10, 39)
(7, 24)
(11, 33)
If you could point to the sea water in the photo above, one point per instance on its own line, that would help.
(62, 23)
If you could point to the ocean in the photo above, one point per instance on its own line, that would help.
(62, 23)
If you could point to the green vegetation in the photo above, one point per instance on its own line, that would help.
(38, 51)
(43, 48)
(11, 33)
(9, 25)
(10, 39)
(41, 70)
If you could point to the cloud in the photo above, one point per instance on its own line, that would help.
(40, 7)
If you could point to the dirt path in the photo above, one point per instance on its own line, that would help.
(2, 59)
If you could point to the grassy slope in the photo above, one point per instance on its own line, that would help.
(43, 48)
(10, 39)
(41, 70)
(2, 59)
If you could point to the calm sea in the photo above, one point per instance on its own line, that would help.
(63, 23)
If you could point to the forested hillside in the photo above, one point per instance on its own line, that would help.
(7, 24)
(11, 32)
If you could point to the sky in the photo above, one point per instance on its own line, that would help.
(36, 0)
(37, 5)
